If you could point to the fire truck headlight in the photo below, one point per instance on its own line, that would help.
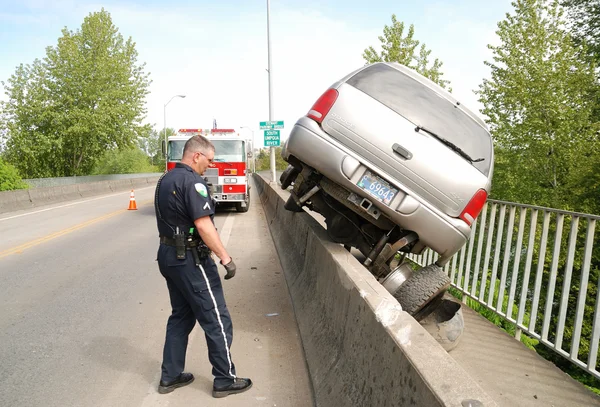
(230, 180)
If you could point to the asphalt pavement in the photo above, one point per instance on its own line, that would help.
(84, 310)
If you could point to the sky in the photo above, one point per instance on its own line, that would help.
(215, 52)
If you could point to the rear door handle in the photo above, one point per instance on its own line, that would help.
(401, 151)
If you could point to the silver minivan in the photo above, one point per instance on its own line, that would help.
(395, 164)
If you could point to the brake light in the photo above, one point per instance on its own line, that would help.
(322, 106)
(471, 211)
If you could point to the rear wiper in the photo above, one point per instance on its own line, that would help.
(450, 144)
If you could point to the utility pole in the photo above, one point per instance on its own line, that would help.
(273, 174)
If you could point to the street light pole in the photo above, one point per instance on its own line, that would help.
(165, 125)
(273, 175)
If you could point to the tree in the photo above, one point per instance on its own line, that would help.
(10, 178)
(584, 16)
(585, 23)
(84, 98)
(538, 106)
(124, 161)
(396, 48)
(151, 144)
(263, 160)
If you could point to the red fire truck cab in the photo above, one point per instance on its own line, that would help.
(228, 175)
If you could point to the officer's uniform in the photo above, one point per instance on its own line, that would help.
(195, 290)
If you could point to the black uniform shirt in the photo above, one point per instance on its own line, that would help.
(183, 197)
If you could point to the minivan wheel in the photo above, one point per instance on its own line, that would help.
(423, 291)
(288, 176)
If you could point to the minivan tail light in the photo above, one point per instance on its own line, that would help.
(471, 211)
(322, 106)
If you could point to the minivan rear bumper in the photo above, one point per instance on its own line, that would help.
(314, 147)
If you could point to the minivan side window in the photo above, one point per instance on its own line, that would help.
(424, 107)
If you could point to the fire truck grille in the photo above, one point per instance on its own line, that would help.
(212, 175)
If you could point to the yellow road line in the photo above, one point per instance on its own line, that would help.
(28, 245)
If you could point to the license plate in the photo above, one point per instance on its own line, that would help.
(377, 188)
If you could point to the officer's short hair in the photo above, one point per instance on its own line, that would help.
(198, 144)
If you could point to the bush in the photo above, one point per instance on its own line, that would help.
(10, 178)
(127, 161)
(263, 160)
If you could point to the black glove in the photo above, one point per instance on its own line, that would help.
(231, 268)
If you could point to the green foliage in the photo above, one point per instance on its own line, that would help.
(10, 178)
(538, 106)
(84, 98)
(396, 48)
(584, 16)
(263, 160)
(151, 144)
(125, 161)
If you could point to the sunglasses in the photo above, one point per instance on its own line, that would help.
(210, 160)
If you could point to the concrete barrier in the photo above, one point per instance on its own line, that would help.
(30, 198)
(361, 348)
(14, 200)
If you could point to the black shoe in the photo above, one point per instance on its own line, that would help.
(183, 380)
(238, 386)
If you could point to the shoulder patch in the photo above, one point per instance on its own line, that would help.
(201, 189)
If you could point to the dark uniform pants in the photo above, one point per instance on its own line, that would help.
(196, 294)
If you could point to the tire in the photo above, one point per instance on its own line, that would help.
(239, 208)
(423, 291)
(288, 176)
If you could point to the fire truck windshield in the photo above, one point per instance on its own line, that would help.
(176, 150)
(225, 150)
(229, 150)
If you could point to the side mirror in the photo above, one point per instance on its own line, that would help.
(163, 148)
(249, 154)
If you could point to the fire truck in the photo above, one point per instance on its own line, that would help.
(228, 175)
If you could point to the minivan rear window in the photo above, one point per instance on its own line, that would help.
(424, 107)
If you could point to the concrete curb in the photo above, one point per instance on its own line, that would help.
(361, 348)
(30, 198)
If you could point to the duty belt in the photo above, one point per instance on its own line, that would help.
(169, 241)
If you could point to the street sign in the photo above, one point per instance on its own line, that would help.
(271, 125)
(272, 138)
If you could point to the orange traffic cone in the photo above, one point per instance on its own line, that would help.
(132, 205)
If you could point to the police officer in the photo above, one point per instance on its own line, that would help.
(185, 211)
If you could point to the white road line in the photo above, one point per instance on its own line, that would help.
(227, 227)
(71, 204)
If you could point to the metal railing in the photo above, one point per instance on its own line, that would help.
(546, 294)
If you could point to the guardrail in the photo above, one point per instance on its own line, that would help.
(528, 269)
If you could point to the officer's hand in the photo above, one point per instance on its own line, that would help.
(231, 268)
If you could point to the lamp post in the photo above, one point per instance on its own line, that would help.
(165, 124)
(269, 70)
(253, 153)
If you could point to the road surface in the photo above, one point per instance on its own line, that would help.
(84, 310)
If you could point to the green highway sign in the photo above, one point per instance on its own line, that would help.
(272, 138)
(271, 125)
